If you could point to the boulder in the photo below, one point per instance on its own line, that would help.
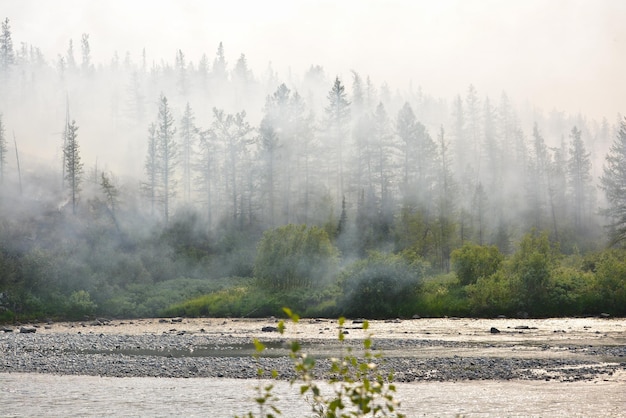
(269, 329)
(28, 330)
(494, 330)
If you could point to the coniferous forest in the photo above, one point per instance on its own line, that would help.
(197, 185)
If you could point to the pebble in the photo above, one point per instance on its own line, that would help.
(189, 355)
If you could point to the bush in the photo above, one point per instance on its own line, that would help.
(245, 299)
(80, 305)
(611, 281)
(569, 292)
(381, 286)
(472, 262)
(442, 295)
(492, 295)
(530, 270)
(294, 256)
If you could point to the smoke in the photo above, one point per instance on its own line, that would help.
(474, 171)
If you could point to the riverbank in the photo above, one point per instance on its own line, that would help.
(447, 349)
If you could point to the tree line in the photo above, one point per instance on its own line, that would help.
(208, 158)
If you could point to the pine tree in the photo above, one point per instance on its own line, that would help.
(181, 74)
(232, 133)
(188, 135)
(613, 182)
(152, 168)
(86, 66)
(167, 152)
(70, 60)
(3, 150)
(446, 189)
(219, 65)
(418, 158)
(73, 164)
(579, 175)
(337, 119)
(7, 55)
(269, 144)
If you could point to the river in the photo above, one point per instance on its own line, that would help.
(37, 395)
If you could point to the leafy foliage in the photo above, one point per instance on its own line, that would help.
(472, 262)
(381, 286)
(294, 256)
(358, 389)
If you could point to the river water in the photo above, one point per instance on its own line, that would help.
(38, 395)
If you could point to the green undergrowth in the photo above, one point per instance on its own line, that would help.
(248, 299)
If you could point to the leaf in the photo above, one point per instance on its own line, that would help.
(258, 345)
(367, 343)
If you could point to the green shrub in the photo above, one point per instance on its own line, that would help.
(381, 286)
(442, 296)
(530, 268)
(80, 305)
(294, 256)
(471, 262)
(611, 281)
(569, 292)
(492, 295)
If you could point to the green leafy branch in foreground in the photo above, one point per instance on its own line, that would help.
(358, 389)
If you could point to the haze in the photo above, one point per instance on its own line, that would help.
(558, 54)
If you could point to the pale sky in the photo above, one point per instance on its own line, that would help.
(568, 54)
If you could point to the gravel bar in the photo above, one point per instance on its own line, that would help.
(206, 354)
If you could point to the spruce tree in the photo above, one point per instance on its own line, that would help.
(3, 150)
(613, 182)
(167, 155)
(579, 176)
(73, 164)
(337, 119)
(7, 55)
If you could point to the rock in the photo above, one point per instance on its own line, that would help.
(269, 329)
(501, 317)
(416, 316)
(494, 330)
(605, 315)
(7, 329)
(522, 327)
(28, 330)
(177, 319)
(163, 321)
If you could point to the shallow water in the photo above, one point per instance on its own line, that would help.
(61, 396)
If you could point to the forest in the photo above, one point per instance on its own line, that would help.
(196, 187)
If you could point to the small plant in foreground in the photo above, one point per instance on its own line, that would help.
(358, 389)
